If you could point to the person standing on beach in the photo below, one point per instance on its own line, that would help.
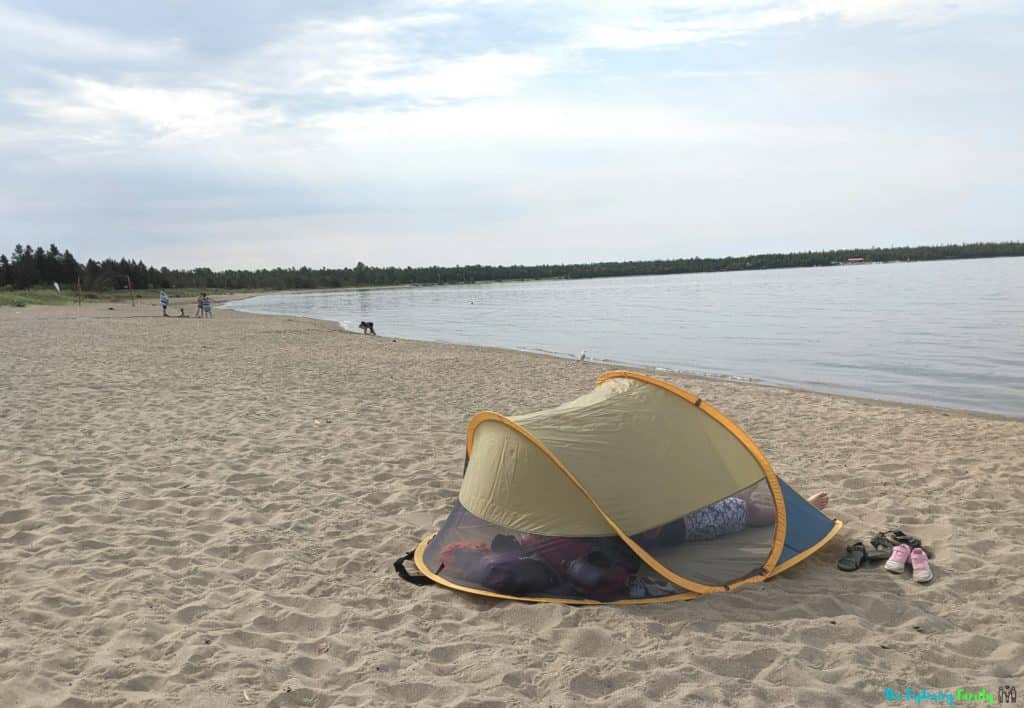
(164, 301)
(207, 308)
(199, 304)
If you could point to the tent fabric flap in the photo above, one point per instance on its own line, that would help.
(511, 482)
(807, 527)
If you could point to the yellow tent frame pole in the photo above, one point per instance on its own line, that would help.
(422, 566)
(779, 539)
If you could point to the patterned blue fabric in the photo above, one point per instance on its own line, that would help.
(718, 519)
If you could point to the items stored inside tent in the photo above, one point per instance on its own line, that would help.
(635, 492)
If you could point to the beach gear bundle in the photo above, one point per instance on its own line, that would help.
(635, 492)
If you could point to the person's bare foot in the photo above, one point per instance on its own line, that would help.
(819, 500)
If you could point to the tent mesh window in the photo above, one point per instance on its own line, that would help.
(471, 552)
(722, 542)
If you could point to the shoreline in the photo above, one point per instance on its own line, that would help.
(228, 298)
(659, 371)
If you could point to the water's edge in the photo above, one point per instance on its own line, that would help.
(653, 370)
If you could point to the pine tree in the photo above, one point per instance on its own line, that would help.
(26, 273)
(52, 272)
(91, 276)
(41, 266)
(69, 269)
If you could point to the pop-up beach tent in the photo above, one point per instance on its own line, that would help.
(635, 492)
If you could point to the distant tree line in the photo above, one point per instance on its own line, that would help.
(28, 267)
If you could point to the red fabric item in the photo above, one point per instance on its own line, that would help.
(555, 550)
(613, 584)
(449, 557)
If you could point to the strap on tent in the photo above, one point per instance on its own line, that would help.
(406, 576)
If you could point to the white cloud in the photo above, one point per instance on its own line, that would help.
(362, 58)
(377, 61)
(666, 23)
(38, 35)
(489, 74)
(370, 58)
(186, 113)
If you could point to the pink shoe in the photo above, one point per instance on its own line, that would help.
(898, 560)
(922, 572)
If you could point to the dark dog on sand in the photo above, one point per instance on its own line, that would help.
(367, 327)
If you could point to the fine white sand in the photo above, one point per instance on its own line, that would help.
(206, 512)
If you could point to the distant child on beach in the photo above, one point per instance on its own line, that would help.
(182, 310)
(207, 308)
(199, 304)
(164, 301)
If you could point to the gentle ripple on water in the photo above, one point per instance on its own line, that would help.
(946, 333)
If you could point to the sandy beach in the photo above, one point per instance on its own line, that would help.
(205, 513)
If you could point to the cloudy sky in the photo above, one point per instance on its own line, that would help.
(263, 133)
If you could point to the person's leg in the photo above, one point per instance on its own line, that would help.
(820, 500)
(721, 518)
(763, 515)
(758, 515)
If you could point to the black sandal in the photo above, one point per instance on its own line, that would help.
(881, 541)
(856, 555)
(891, 539)
(901, 537)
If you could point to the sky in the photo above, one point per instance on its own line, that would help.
(286, 133)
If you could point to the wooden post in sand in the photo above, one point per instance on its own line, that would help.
(79, 288)
(131, 293)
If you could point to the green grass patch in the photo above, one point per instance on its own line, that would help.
(49, 296)
(39, 296)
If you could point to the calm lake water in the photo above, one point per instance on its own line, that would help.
(947, 333)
